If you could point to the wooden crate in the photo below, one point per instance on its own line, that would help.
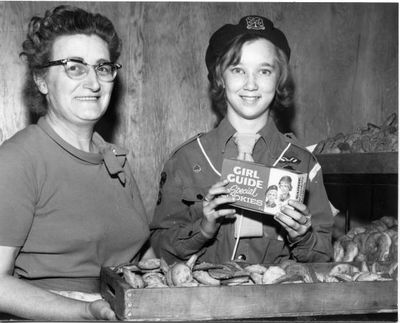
(247, 301)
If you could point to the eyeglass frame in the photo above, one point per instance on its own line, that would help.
(64, 62)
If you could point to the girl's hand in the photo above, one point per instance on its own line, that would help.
(296, 220)
(217, 195)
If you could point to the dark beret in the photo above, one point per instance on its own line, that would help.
(256, 25)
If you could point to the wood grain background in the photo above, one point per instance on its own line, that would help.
(344, 61)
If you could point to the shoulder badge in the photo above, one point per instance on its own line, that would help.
(290, 160)
(197, 168)
(296, 154)
(291, 137)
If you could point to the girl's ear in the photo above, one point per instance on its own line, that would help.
(41, 83)
(221, 83)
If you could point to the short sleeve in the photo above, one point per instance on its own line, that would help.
(17, 194)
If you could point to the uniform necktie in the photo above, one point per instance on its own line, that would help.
(245, 143)
(245, 226)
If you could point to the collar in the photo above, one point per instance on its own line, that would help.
(225, 132)
(269, 134)
(113, 157)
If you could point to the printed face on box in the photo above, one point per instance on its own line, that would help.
(271, 196)
(285, 186)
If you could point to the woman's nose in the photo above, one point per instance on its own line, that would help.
(91, 80)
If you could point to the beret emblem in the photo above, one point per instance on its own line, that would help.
(255, 23)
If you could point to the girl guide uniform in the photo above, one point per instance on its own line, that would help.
(195, 166)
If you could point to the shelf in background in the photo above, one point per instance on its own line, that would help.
(359, 163)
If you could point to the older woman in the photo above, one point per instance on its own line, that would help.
(68, 201)
(249, 76)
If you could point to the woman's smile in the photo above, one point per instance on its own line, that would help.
(251, 99)
(87, 98)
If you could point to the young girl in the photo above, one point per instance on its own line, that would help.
(249, 76)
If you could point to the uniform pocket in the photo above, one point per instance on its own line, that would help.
(193, 198)
(192, 195)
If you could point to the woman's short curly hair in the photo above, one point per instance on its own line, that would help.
(284, 91)
(43, 31)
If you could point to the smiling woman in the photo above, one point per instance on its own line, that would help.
(76, 95)
(69, 203)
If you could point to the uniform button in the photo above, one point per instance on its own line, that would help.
(241, 257)
(199, 196)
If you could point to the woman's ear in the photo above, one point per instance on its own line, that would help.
(41, 83)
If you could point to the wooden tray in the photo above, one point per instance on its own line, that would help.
(247, 301)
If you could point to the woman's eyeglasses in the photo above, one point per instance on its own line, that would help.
(77, 69)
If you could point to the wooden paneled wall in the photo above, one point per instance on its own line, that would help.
(344, 62)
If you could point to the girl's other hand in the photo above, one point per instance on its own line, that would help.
(217, 196)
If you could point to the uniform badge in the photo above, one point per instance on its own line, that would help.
(255, 23)
(290, 160)
(197, 168)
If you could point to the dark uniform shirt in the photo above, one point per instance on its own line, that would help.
(194, 168)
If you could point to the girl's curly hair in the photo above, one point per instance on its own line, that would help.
(42, 32)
